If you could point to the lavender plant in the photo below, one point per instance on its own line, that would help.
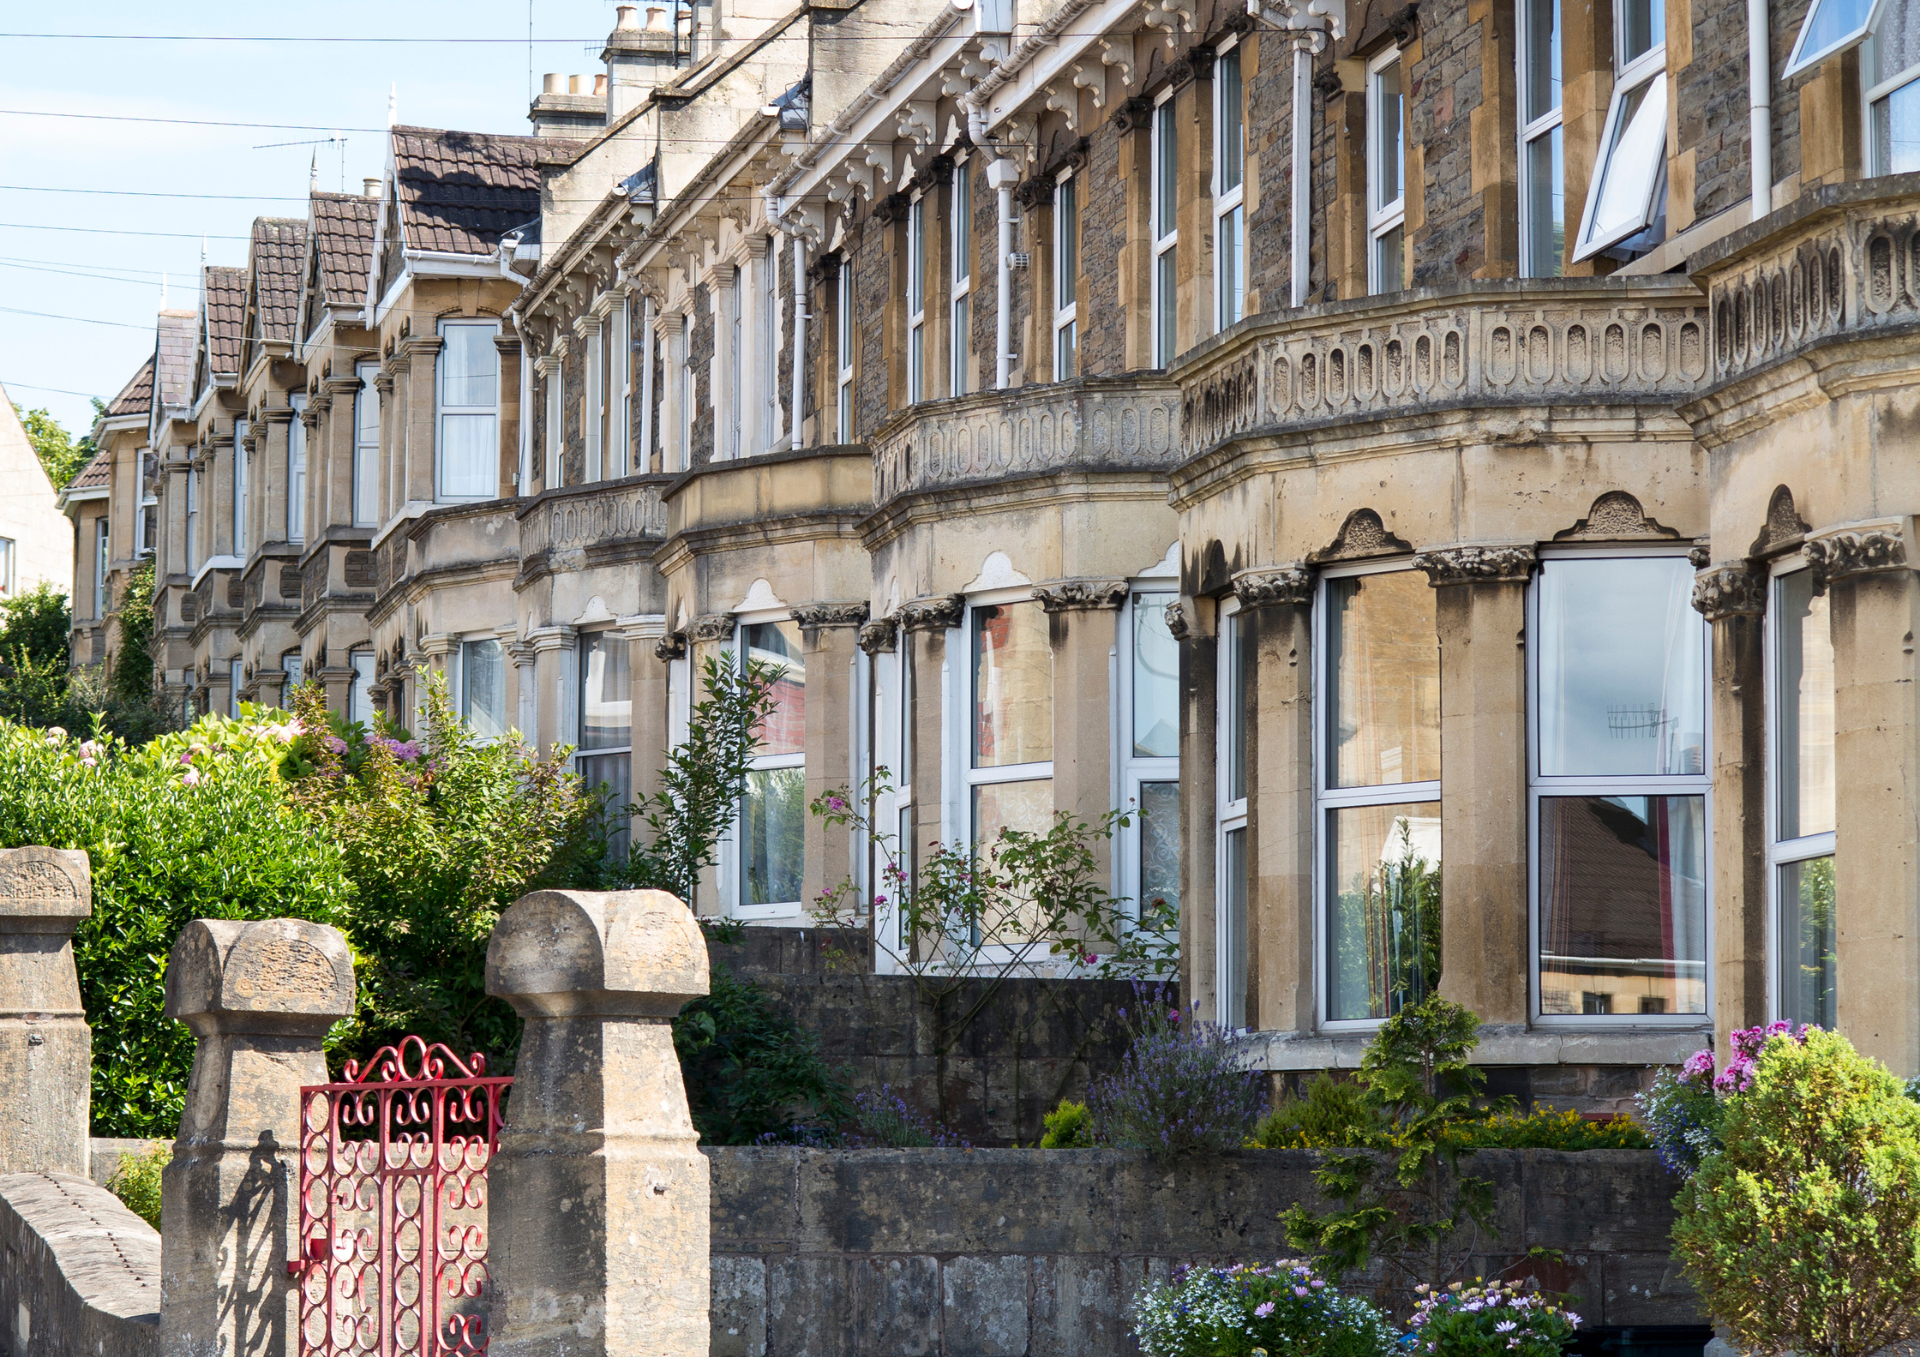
(1488, 1321)
(882, 1119)
(1182, 1088)
(1256, 1310)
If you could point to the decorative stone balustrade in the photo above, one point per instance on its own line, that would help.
(1093, 424)
(586, 516)
(1514, 342)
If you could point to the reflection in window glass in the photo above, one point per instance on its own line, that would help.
(1805, 689)
(1643, 27)
(1233, 930)
(773, 817)
(1621, 668)
(1159, 845)
(1896, 131)
(1156, 680)
(1384, 937)
(1384, 651)
(483, 689)
(1234, 654)
(778, 644)
(1012, 686)
(1546, 205)
(1024, 806)
(606, 693)
(360, 686)
(1807, 936)
(1623, 905)
(1542, 73)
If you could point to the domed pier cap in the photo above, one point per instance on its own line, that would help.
(265, 976)
(44, 890)
(558, 954)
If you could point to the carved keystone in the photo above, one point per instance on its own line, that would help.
(600, 1196)
(46, 1048)
(259, 997)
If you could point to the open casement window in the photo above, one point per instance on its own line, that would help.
(1377, 791)
(1543, 194)
(483, 687)
(1830, 26)
(1009, 728)
(1235, 658)
(242, 464)
(297, 469)
(468, 456)
(1163, 215)
(917, 300)
(1620, 789)
(1229, 191)
(769, 840)
(1066, 277)
(843, 346)
(1623, 192)
(1800, 778)
(604, 743)
(1386, 175)
(960, 288)
(1147, 852)
(1890, 72)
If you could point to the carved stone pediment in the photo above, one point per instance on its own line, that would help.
(930, 614)
(1081, 595)
(1616, 515)
(1362, 535)
(1784, 527)
(1477, 565)
(1730, 591)
(1286, 586)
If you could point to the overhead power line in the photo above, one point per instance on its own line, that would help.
(98, 277)
(84, 320)
(56, 390)
(110, 231)
(144, 193)
(280, 37)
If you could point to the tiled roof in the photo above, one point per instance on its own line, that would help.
(97, 474)
(226, 301)
(343, 234)
(277, 246)
(136, 397)
(461, 191)
(173, 356)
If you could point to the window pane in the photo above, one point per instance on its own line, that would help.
(1164, 302)
(785, 729)
(1169, 182)
(1807, 943)
(903, 776)
(1831, 22)
(606, 693)
(1067, 261)
(1643, 27)
(962, 332)
(1383, 698)
(360, 688)
(1160, 845)
(916, 363)
(1231, 248)
(1232, 123)
(1065, 355)
(1896, 42)
(1026, 806)
(1156, 680)
(773, 817)
(1390, 260)
(1623, 904)
(1805, 686)
(483, 689)
(1542, 57)
(962, 226)
(615, 773)
(468, 448)
(1622, 668)
(1896, 131)
(469, 366)
(1546, 206)
(1233, 929)
(917, 257)
(1384, 936)
(1232, 722)
(1012, 686)
(1389, 120)
(366, 408)
(1631, 168)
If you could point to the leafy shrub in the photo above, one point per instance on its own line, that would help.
(35, 623)
(1802, 1229)
(136, 1182)
(1334, 1114)
(193, 829)
(1181, 1087)
(1488, 1321)
(1546, 1129)
(132, 680)
(1068, 1127)
(882, 1119)
(1275, 1308)
(752, 1075)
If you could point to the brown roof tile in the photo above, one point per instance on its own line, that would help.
(225, 298)
(461, 191)
(278, 243)
(136, 397)
(343, 234)
(95, 475)
(178, 331)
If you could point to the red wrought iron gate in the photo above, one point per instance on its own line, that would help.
(393, 1205)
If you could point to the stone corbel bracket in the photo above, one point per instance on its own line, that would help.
(876, 638)
(1477, 565)
(672, 646)
(917, 119)
(1730, 591)
(1179, 621)
(814, 616)
(1068, 596)
(711, 627)
(938, 613)
(1091, 76)
(1837, 554)
(1283, 586)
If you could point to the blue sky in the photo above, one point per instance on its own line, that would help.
(478, 86)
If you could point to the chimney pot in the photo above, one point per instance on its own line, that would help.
(656, 18)
(626, 20)
(573, 84)
(600, 85)
(553, 83)
(371, 186)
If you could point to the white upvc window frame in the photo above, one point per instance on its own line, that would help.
(241, 467)
(556, 421)
(916, 298)
(1646, 71)
(7, 551)
(732, 865)
(1780, 852)
(893, 750)
(960, 285)
(365, 476)
(620, 374)
(1163, 210)
(584, 757)
(145, 540)
(1229, 201)
(460, 694)
(1385, 215)
(236, 675)
(1805, 54)
(843, 347)
(769, 375)
(1539, 787)
(291, 668)
(102, 555)
(297, 469)
(733, 351)
(593, 405)
(1066, 281)
(1230, 818)
(1328, 798)
(194, 491)
(687, 388)
(1546, 127)
(443, 411)
(1135, 769)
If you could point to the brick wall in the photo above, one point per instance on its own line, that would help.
(1712, 94)
(1443, 89)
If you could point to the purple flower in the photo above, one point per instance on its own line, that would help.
(1261, 1311)
(1573, 1319)
(1300, 1291)
(336, 744)
(1505, 1326)
(879, 899)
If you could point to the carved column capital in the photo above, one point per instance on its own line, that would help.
(813, 616)
(1477, 565)
(672, 646)
(876, 638)
(1287, 586)
(711, 627)
(929, 614)
(1067, 596)
(1868, 549)
(1179, 621)
(1730, 591)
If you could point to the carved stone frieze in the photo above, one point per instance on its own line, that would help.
(1730, 591)
(1287, 586)
(876, 637)
(1179, 624)
(1477, 565)
(1836, 556)
(711, 627)
(814, 616)
(1081, 595)
(932, 614)
(672, 646)
(1615, 515)
(596, 516)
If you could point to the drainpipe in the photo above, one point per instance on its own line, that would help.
(1760, 102)
(1001, 175)
(1303, 165)
(646, 381)
(799, 330)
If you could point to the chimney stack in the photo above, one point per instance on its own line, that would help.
(371, 186)
(569, 106)
(638, 59)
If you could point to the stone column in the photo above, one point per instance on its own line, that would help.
(1083, 617)
(927, 626)
(709, 635)
(1278, 648)
(1734, 598)
(259, 997)
(46, 1048)
(600, 1196)
(1192, 623)
(1482, 617)
(1875, 614)
(647, 680)
(422, 391)
(829, 633)
(555, 650)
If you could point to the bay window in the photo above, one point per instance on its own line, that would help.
(1009, 768)
(297, 469)
(960, 288)
(1386, 176)
(604, 742)
(1066, 276)
(1543, 208)
(1230, 824)
(917, 300)
(360, 686)
(1801, 810)
(1229, 190)
(1619, 788)
(771, 853)
(1164, 185)
(1624, 189)
(1148, 857)
(483, 687)
(1377, 789)
(468, 461)
(366, 447)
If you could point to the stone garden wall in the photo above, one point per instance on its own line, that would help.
(80, 1272)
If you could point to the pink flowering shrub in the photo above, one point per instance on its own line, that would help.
(1683, 1111)
(1485, 1320)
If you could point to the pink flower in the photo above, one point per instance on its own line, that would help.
(55, 734)
(1262, 1310)
(879, 899)
(186, 757)
(1573, 1319)
(191, 777)
(336, 744)
(1300, 1291)
(1698, 1064)
(1173, 1015)
(1316, 1282)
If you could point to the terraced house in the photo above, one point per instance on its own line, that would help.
(1441, 461)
